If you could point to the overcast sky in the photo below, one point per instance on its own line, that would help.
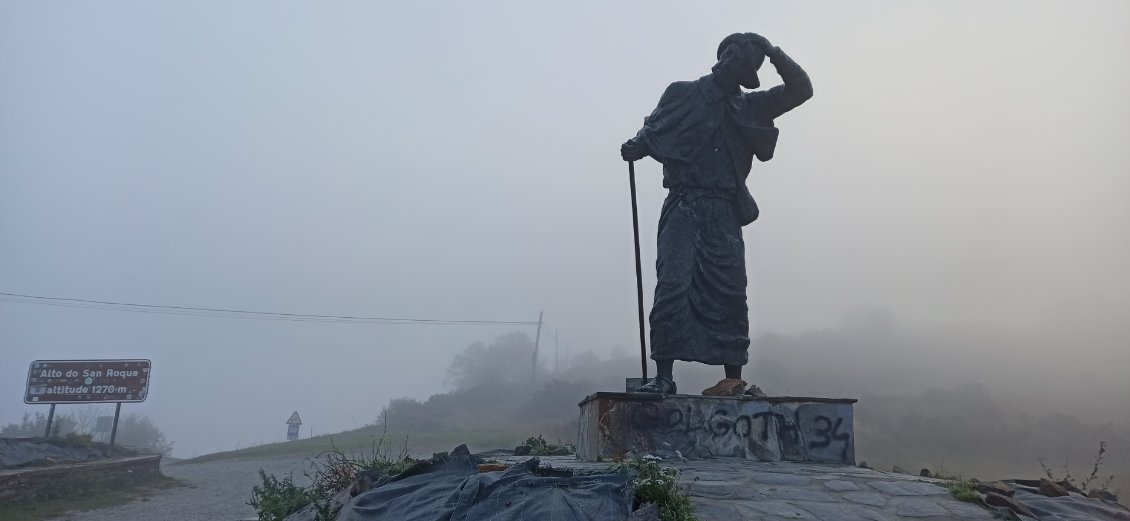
(961, 162)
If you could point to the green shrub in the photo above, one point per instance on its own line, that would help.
(275, 499)
(78, 440)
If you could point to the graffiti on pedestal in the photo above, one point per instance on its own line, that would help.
(757, 430)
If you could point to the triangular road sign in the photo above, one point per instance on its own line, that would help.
(294, 419)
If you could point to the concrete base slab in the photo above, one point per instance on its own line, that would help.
(617, 425)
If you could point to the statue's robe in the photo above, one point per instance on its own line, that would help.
(706, 140)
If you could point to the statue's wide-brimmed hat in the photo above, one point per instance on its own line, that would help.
(733, 38)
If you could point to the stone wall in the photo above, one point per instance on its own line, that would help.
(60, 479)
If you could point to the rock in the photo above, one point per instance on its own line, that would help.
(491, 467)
(925, 473)
(726, 387)
(1102, 494)
(1052, 489)
(997, 500)
(648, 512)
(363, 483)
(995, 487)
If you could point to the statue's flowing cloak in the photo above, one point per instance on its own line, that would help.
(706, 141)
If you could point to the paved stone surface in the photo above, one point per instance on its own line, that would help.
(815, 492)
(728, 489)
(841, 485)
(965, 510)
(778, 478)
(798, 494)
(919, 507)
(865, 498)
(908, 488)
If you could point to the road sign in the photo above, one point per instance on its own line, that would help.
(87, 381)
(292, 431)
(104, 424)
(294, 419)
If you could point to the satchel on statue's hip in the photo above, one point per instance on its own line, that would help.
(745, 208)
(764, 141)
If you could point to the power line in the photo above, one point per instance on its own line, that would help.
(240, 313)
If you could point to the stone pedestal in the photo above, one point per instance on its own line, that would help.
(700, 427)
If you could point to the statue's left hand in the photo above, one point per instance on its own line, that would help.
(633, 150)
(762, 43)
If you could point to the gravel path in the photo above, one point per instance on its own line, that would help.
(215, 491)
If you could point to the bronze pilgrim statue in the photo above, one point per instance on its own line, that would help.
(706, 133)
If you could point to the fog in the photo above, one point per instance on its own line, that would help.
(958, 185)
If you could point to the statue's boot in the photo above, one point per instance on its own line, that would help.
(658, 385)
(726, 387)
(755, 392)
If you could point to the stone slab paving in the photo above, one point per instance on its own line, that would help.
(730, 489)
(782, 490)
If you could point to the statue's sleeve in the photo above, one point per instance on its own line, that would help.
(662, 132)
(796, 88)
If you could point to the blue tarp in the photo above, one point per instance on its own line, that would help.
(451, 488)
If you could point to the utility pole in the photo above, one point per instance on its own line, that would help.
(537, 343)
(556, 359)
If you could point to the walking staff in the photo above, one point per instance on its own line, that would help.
(639, 270)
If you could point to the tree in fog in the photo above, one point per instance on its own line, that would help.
(506, 361)
(35, 425)
(138, 431)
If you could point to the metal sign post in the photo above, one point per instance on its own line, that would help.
(50, 419)
(114, 429)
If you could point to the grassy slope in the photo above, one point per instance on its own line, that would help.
(366, 438)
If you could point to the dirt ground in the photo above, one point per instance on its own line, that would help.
(213, 491)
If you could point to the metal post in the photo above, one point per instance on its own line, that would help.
(537, 342)
(50, 419)
(556, 359)
(639, 270)
(114, 430)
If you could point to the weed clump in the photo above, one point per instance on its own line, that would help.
(963, 491)
(659, 485)
(332, 472)
(1093, 477)
(537, 446)
(277, 498)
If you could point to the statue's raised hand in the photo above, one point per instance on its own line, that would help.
(771, 51)
(633, 150)
(760, 42)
